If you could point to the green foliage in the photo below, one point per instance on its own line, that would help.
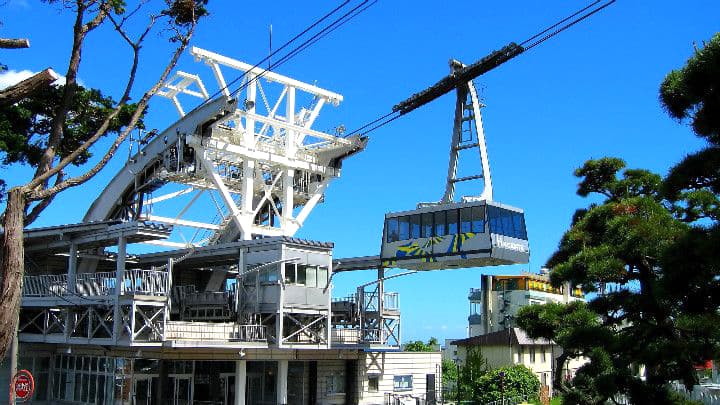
(419, 346)
(651, 247)
(26, 126)
(516, 381)
(693, 92)
(185, 12)
(450, 378)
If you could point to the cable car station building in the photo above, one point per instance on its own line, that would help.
(249, 322)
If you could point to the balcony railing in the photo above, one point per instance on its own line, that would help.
(211, 331)
(142, 282)
(345, 336)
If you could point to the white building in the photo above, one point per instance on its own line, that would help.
(494, 305)
(248, 322)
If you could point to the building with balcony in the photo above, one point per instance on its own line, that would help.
(248, 322)
(494, 305)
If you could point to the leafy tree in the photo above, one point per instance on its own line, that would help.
(649, 247)
(419, 346)
(62, 146)
(506, 382)
(449, 378)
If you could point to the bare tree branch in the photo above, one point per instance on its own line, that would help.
(141, 105)
(40, 207)
(80, 31)
(17, 92)
(10, 43)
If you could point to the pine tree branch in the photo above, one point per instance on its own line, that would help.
(40, 207)
(19, 91)
(141, 106)
(80, 31)
(10, 43)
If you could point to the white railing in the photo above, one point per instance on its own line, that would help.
(211, 331)
(144, 282)
(391, 301)
(345, 335)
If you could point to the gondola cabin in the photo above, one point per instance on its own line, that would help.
(455, 235)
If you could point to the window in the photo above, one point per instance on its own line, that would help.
(543, 357)
(335, 383)
(373, 383)
(391, 230)
(311, 276)
(478, 219)
(532, 354)
(290, 273)
(414, 226)
(402, 383)
(301, 274)
(440, 223)
(452, 222)
(404, 228)
(466, 220)
(506, 222)
(427, 225)
(322, 277)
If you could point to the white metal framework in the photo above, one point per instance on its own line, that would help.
(468, 133)
(253, 158)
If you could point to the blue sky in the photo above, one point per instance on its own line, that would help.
(590, 92)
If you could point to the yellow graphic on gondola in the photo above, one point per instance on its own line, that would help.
(457, 242)
(412, 249)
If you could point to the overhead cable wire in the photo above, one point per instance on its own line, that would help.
(283, 46)
(481, 67)
(340, 21)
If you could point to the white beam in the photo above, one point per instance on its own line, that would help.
(170, 195)
(183, 222)
(272, 76)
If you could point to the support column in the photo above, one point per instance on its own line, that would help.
(240, 381)
(72, 269)
(381, 304)
(119, 276)
(282, 378)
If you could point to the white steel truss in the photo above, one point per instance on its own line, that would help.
(243, 164)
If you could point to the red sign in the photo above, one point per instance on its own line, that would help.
(23, 385)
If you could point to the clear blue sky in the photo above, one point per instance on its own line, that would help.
(588, 93)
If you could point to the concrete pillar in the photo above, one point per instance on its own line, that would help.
(240, 381)
(566, 293)
(282, 378)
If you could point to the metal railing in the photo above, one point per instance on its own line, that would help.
(144, 282)
(214, 331)
(345, 335)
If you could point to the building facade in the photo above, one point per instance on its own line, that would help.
(494, 305)
(249, 322)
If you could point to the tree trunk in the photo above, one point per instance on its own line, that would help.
(12, 267)
(17, 92)
(14, 43)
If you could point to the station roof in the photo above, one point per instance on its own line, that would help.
(509, 336)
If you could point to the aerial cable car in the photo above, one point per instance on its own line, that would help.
(475, 231)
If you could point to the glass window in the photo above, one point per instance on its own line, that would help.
(404, 226)
(311, 276)
(532, 354)
(478, 219)
(452, 222)
(336, 383)
(466, 220)
(506, 223)
(322, 277)
(519, 225)
(427, 225)
(272, 274)
(391, 229)
(301, 274)
(373, 383)
(440, 223)
(290, 273)
(402, 383)
(414, 226)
